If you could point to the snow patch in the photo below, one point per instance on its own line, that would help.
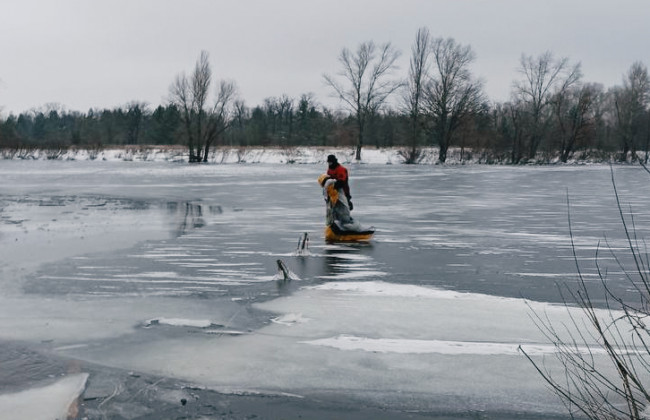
(293, 155)
(380, 288)
(55, 401)
(408, 346)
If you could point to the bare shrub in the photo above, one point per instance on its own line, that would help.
(616, 385)
(411, 155)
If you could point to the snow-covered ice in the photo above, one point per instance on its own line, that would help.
(373, 339)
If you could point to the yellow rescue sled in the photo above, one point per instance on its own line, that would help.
(340, 226)
(334, 234)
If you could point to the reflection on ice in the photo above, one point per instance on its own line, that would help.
(190, 215)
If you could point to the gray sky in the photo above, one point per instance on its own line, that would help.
(101, 54)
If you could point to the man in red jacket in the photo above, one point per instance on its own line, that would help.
(340, 173)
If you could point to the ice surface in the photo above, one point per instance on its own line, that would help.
(70, 321)
(371, 338)
(428, 316)
(52, 402)
(55, 228)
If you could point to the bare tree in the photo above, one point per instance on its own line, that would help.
(631, 103)
(508, 124)
(240, 114)
(180, 95)
(201, 79)
(452, 95)
(414, 94)
(221, 115)
(514, 114)
(543, 77)
(203, 124)
(366, 86)
(574, 112)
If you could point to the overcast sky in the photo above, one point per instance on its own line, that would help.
(86, 54)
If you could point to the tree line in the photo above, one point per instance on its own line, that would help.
(553, 114)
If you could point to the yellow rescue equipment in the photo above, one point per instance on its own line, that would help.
(347, 236)
(340, 226)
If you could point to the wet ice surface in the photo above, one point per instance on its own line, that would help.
(170, 270)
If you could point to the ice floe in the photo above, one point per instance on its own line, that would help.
(179, 322)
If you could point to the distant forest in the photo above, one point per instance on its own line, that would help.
(553, 115)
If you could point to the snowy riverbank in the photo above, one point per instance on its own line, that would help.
(298, 155)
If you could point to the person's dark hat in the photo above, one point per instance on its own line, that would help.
(331, 159)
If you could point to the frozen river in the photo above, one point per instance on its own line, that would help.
(168, 271)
